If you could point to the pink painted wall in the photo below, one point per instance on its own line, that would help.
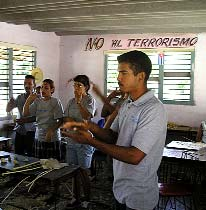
(61, 58)
(75, 60)
(47, 45)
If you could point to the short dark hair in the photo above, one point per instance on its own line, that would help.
(28, 76)
(50, 82)
(84, 79)
(138, 61)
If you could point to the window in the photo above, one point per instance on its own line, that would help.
(171, 77)
(15, 63)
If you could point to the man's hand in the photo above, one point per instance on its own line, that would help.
(49, 134)
(21, 121)
(73, 125)
(31, 98)
(10, 105)
(81, 136)
(114, 93)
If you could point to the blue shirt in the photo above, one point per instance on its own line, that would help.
(141, 124)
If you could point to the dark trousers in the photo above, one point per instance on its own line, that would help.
(119, 206)
(24, 143)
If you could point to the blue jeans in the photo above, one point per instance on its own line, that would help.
(79, 154)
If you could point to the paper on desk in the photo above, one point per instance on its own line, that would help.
(52, 164)
(186, 145)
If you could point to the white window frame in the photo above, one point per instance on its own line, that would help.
(182, 95)
(18, 61)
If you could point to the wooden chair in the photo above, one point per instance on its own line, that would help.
(176, 181)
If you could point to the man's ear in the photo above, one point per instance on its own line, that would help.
(52, 90)
(142, 76)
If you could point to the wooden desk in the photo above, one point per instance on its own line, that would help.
(188, 159)
(55, 178)
(22, 160)
(181, 132)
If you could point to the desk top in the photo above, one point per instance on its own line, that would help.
(9, 164)
(186, 145)
(180, 154)
(182, 128)
(55, 175)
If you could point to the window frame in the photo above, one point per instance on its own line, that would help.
(10, 69)
(161, 73)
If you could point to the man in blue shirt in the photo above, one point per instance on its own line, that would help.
(25, 126)
(136, 138)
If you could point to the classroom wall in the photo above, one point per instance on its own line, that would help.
(46, 44)
(61, 58)
(75, 59)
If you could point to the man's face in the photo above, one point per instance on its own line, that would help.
(127, 81)
(29, 85)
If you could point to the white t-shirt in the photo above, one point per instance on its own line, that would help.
(47, 113)
(142, 124)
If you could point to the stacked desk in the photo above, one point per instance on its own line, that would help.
(181, 132)
(188, 154)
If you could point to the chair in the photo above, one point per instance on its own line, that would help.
(98, 157)
(176, 180)
(97, 162)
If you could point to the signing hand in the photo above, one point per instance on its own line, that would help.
(73, 125)
(114, 93)
(32, 97)
(78, 95)
(81, 136)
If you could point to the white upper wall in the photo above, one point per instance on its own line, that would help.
(74, 59)
(46, 44)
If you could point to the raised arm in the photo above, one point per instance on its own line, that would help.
(10, 105)
(107, 107)
(29, 100)
(104, 135)
(131, 155)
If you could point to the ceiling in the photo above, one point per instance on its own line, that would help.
(84, 17)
